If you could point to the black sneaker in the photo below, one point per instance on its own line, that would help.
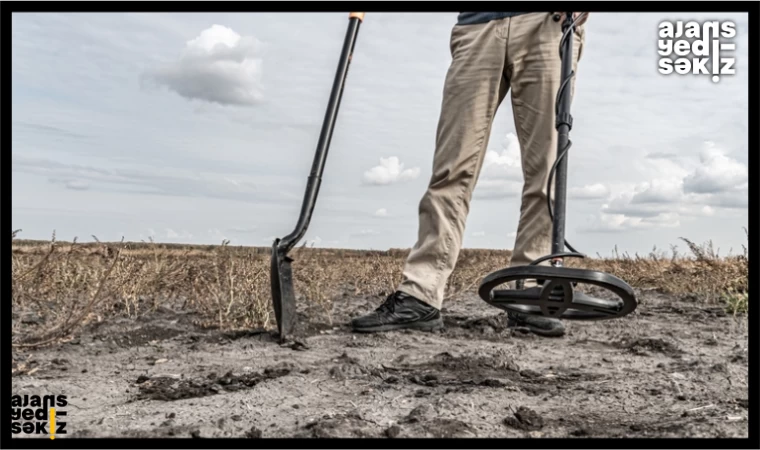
(544, 326)
(399, 311)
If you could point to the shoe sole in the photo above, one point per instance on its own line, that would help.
(538, 331)
(547, 333)
(432, 325)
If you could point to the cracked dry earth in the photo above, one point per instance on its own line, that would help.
(674, 368)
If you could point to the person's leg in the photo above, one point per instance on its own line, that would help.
(535, 64)
(534, 69)
(475, 86)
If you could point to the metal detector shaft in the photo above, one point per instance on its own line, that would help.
(317, 168)
(563, 123)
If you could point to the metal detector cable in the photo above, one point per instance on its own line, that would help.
(561, 154)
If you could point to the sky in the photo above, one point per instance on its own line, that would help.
(194, 128)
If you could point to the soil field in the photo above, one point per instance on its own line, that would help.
(671, 369)
(148, 340)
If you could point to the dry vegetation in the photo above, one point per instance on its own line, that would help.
(59, 286)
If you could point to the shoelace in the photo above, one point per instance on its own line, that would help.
(389, 304)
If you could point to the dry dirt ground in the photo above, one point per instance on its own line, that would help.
(674, 368)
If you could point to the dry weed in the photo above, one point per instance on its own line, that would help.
(58, 287)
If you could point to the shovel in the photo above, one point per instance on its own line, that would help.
(281, 273)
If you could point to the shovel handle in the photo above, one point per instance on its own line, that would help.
(320, 156)
(357, 15)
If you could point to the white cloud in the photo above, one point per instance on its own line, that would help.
(390, 170)
(612, 223)
(590, 192)
(218, 66)
(717, 173)
(736, 199)
(505, 164)
(647, 199)
(478, 233)
(716, 181)
(497, 189)
(171, 234)
(501, 175)
(382, 212)
(667, 191)
(512, 234)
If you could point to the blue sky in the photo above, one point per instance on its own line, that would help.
(199, 127)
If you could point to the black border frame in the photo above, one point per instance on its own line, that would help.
(7, 8)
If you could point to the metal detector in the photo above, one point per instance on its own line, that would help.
(555, 295)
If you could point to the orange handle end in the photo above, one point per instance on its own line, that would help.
(358, 15)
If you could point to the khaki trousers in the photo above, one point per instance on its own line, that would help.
(520, 53)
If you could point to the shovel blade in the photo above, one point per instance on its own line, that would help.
(283, 294)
